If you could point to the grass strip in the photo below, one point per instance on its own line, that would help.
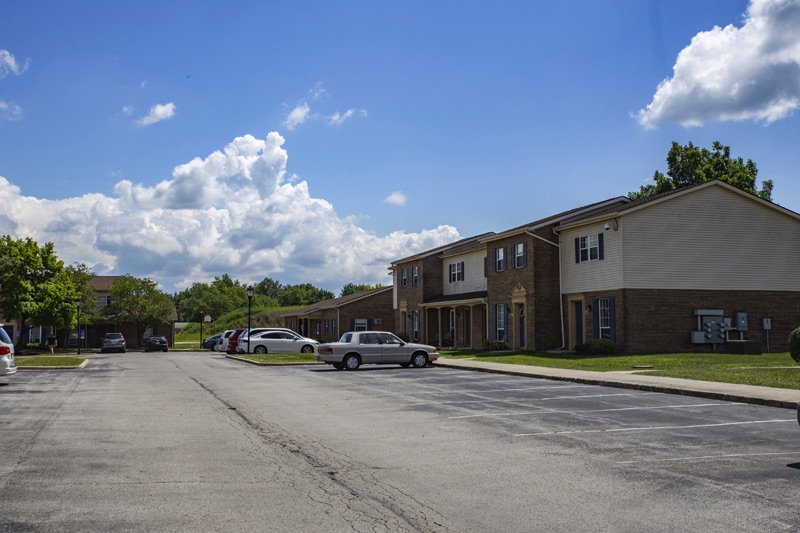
(60, 361)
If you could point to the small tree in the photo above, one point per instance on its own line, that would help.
(794, 344)
(138, 301)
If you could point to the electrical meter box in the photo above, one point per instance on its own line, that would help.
(741, 321)
(767, 323)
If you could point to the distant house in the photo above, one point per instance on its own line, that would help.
(325, 321)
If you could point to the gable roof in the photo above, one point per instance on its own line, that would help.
(647, 201)
(586, 210)
(334, 303)
(446, 248)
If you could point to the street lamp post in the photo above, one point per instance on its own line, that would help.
(249, 304)
(201, 330)
(78, 305)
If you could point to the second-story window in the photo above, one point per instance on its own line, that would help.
(456, 272)
(404, 277)
(589, 248)
(500, 259)
(415, 275)
(520, 258)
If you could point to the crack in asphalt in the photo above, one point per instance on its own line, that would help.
(371, 504)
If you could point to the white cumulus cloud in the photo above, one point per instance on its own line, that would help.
(10, 110)
(297, 116)
(157, 113)
(396, 198)
(730, 73)
(234, 211)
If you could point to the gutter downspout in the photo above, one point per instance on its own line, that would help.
(560, 277)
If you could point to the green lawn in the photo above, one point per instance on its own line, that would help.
(768, 370)
(278, 358)
(49, 360)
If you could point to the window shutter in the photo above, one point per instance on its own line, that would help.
(524, 254)
(595, 319)
(508, 323)
(369, 324)
(494, 322)
(612, 319)
(352, 324)
(600, 246)
(462, 270)
(577, 250)
(494, 260)
(512, 263)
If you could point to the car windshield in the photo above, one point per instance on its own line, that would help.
(4, 336)
(113, 335)
(347, 337)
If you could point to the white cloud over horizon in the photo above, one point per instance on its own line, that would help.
(235, 211)
(157, 113)
(734, 74)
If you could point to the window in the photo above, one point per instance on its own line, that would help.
(500, 322)
(415, 275)
(415, 325)
(104, 300)
(327, 326)
(360, 324)
(333, 326)
(404, 277)
(604, 318)
(589, 248)
(520, 258)
(456, 272)
(500, 259)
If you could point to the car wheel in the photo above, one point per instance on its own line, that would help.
(260, 349)
(307, 349)
(352, 362)
(405, 365)
(338, 366)
(419, 359)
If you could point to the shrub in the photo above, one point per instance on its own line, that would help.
(602, 346)
(497, 345)
(794, 344)
(582, 348)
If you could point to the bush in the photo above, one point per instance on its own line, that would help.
(582, 348)
(497, 345)
(794, 344)
(602, 346)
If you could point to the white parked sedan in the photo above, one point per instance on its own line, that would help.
(357, 348)
(277, 341)
(7, 365)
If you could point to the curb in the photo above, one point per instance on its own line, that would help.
(258, 363)
(604, 381)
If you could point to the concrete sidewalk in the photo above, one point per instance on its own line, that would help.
(787, 398)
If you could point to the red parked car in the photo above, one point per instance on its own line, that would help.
(234, 340)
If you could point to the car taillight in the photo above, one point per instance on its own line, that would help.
(5, 350)
(326, 350)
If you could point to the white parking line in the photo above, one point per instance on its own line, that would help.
(528, 400)
(656, 428)
(552, 411)
(707, 457)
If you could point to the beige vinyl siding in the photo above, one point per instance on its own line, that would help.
(474, 280)
(593, 275)
(712, 238)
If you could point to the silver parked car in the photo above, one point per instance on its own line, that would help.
(7, 365)
(357, 348)
(277, 341)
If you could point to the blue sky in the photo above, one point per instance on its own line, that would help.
(318, 141)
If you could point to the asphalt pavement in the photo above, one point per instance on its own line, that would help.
(771, 396)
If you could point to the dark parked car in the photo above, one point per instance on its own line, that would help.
(156, 343)
(208, 343)
(112, 342)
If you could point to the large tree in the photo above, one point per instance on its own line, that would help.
(689, 165)
(352, 288)
(34, 286)
(138, 301)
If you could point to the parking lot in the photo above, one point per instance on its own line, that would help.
(383, 448)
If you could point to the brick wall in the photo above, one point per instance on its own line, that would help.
(652, 321)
